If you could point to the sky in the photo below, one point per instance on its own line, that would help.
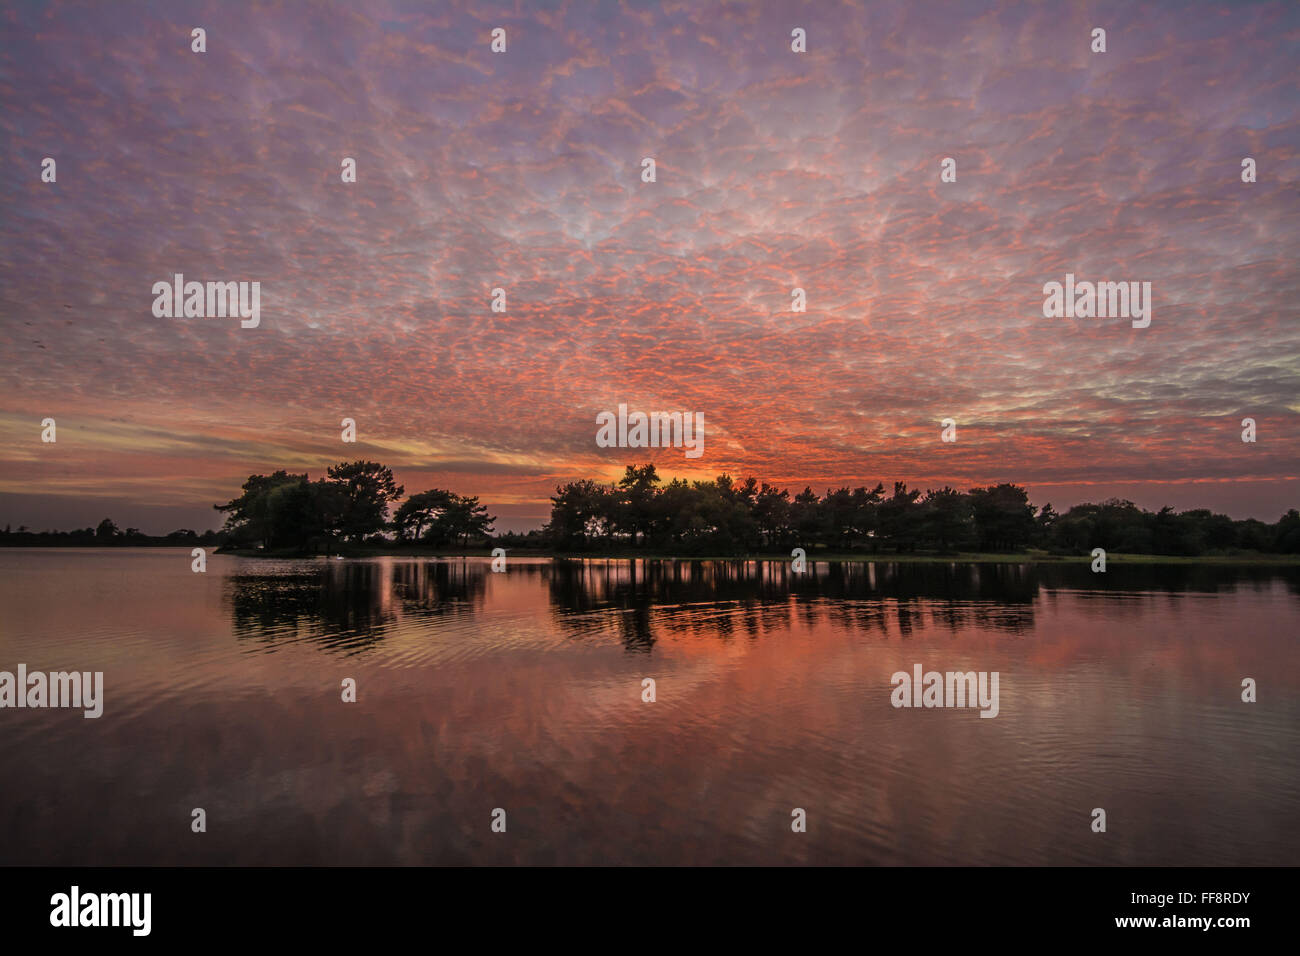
(522, 170)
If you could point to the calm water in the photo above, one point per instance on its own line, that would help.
(523, 691)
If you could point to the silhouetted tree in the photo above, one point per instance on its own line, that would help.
(368, 488)
(1287, 536)
(1003, 516)
(580, 515)
(899, 518)
(772, 515)
(944, 520)
(420, 512)
(273, 511)
(635, 506)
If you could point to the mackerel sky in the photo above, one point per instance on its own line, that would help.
(522, 170)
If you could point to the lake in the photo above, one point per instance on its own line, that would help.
(523, 692)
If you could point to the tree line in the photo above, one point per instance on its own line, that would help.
(361, 503)
(106, 533)
(726, 517)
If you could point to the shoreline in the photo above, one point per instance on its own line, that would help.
(1261, 560)
(1256, 559)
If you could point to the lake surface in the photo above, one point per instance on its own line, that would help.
(523, 691)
